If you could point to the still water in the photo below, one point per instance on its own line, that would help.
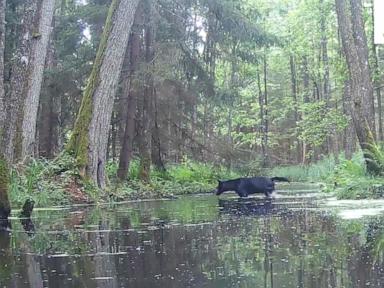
(298, 239)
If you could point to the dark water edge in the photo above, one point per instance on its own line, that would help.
(293, 240)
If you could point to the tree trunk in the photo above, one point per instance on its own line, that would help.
(129, 93)
(2, 45)
(350, 136)
(49, 127)
(361, 86)
(39, 48)
(146, 103)
(18, 79)
(361, 45)
(90, 134)
(296, 110)
(157, 159)
(4, 173)
(265, 124)
(376, 81)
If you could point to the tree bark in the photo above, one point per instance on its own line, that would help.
(156, 156)
(2, 45)
(145, 129)
(49, 126)
(361, 86)
(39, 49)
(129, 91)
(361, 45)
(376, 81)
(296, 111)
(349, 134)
(18, 79)
(90, 135)
(266, 122)
(4, 173)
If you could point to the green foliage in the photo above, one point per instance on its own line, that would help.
(352, 181)
(319, 122)
(316, 172)
(185, 178)
(32, 182)
(50, 183)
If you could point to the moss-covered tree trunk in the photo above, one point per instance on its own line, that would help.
(90, 134)
(354, 42)
(41, 36)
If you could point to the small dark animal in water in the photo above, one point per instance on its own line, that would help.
(245, 186)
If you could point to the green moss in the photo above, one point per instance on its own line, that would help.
(4, 181)
(78, 144)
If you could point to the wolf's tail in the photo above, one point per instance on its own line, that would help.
(281, 179)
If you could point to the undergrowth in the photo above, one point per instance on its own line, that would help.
(319, 171)
(188, 177)
(46, 182)
(348, 179)
(57, 182)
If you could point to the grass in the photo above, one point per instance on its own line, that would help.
(316, 172)
(54, 182)
(51, 183)
(185, 178)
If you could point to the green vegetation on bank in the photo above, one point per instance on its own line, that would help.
(58, 182)
(348, 179)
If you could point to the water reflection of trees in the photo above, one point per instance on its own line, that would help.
(185, 244)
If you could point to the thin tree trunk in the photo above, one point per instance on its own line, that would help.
(266, 122)
(156, 143)
(261, 105)
(35, 77)
(376, 81)
(294, 95)
(145, 130)
(90, 135)
(2, 46)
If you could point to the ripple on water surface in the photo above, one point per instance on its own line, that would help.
(299, 238)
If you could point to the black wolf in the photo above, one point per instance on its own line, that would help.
(245, 186)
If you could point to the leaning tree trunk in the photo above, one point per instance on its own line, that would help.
(18, 78)
(40, 43)
(361, 85)
(89, 139)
